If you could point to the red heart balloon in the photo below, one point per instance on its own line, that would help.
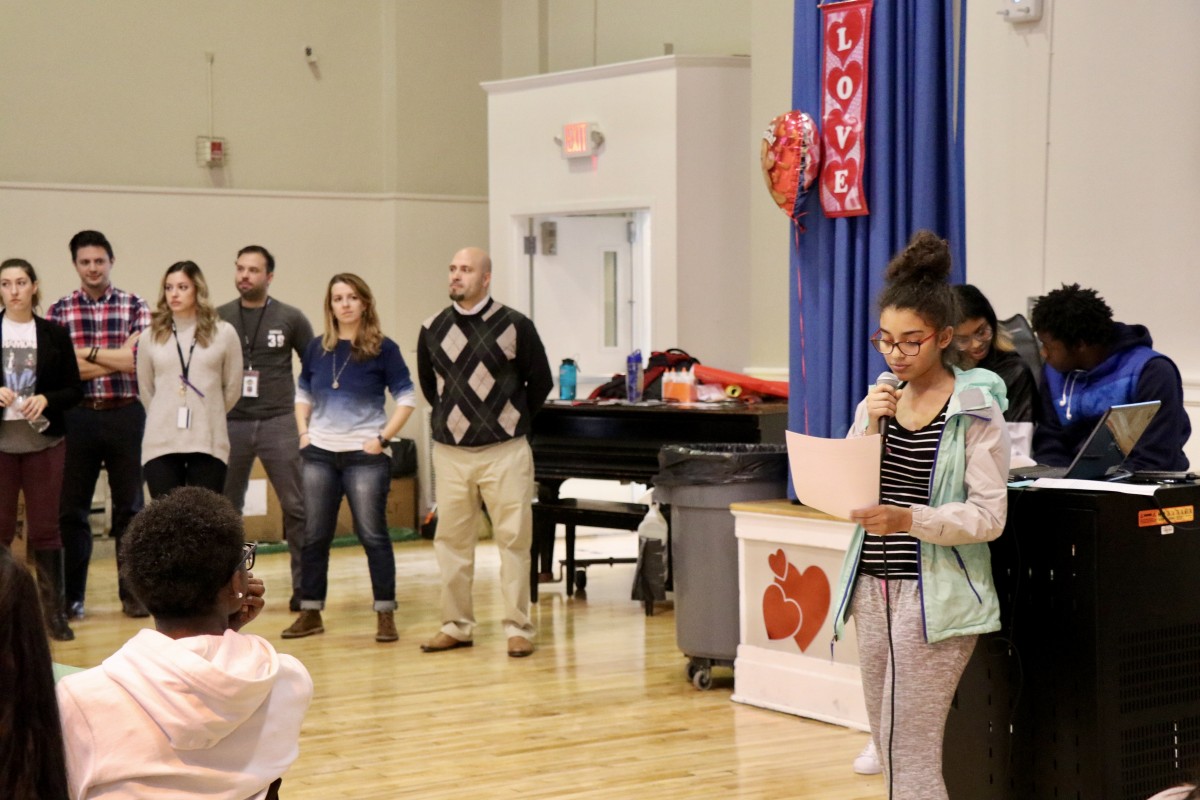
(844, 43)
(781, 615)
(852, 72)
(790, 157)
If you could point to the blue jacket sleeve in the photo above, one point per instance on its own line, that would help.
(1051, 444)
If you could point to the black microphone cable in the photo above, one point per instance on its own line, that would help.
(888, 379)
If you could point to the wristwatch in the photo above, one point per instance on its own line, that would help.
(382, 441)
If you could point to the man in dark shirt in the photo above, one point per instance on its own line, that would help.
(263, 423)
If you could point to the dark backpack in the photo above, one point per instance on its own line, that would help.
(660, 361)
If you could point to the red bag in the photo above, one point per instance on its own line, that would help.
(660, 361)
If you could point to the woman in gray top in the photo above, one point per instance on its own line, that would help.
(189, 368)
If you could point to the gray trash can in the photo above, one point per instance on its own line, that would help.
(699, 482)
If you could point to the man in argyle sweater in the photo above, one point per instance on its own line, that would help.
(483, 369)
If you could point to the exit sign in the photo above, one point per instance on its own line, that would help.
(580, 139)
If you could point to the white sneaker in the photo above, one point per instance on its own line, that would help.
(867, 762)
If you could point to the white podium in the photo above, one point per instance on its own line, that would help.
(789, 558)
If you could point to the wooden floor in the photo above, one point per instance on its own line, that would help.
(602, 710)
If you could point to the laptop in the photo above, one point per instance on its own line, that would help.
(1108, 445)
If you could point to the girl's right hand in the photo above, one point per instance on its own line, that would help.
(304, 440)
(881, 402)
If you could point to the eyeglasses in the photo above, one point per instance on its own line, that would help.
(981, 336)
(906, 348)
(248, 551)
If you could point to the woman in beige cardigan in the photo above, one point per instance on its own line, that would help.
(189, 368)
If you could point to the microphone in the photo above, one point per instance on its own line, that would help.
(885, 379)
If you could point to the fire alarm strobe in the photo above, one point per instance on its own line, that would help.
(210, 152)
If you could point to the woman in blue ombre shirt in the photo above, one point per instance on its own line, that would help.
(343, 431)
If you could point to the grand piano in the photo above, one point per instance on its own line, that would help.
(620, 441)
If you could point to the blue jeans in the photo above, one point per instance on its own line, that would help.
(364, 479)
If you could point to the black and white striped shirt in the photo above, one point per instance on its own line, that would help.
(904, 477)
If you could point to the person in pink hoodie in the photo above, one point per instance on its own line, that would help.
(193, 708)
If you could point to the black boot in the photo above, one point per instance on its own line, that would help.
(54, 599)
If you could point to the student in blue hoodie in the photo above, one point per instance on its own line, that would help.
(1093, 363)
(917, 577)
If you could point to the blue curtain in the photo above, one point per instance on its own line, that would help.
(913, 179)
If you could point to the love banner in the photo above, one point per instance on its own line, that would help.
(844, 106)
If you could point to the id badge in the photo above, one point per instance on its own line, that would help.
(183, 420)
(250, 383)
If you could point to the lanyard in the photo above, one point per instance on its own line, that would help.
(185, 365)
(248, 341)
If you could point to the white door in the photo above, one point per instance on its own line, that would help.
(585, 295)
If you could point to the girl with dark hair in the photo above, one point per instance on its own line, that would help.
(917, 577)
(981, 342)
(39, 382)
(343, 430)
(194, 707)
(189, 371)
(31, 740)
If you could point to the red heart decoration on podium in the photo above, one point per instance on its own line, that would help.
(778, 562)
(781, 615)
(810, 590)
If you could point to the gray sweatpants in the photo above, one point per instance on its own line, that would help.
(926, 677)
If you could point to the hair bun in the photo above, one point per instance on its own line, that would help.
(926, 258)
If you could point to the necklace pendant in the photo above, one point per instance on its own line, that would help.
(335, 384)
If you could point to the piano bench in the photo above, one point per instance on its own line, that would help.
(569, 512)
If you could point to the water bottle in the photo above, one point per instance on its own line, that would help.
(633, 377)
(567, 373)
(38, 423)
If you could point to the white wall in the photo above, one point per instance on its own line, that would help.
(770, 230)
(116, 93)
(671, 125)
(1083, 163)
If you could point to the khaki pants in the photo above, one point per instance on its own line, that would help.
(500, 477)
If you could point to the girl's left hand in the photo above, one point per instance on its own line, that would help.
(883, 519)
(33, 406)
(372, 446)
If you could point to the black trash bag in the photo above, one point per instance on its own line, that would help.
(650, 577)
(717, 464)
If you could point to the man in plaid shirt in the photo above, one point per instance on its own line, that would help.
(106, 428)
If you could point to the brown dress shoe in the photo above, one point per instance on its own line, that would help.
(444, 641)
(385, 628)
(519, 647)
(308, 623)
